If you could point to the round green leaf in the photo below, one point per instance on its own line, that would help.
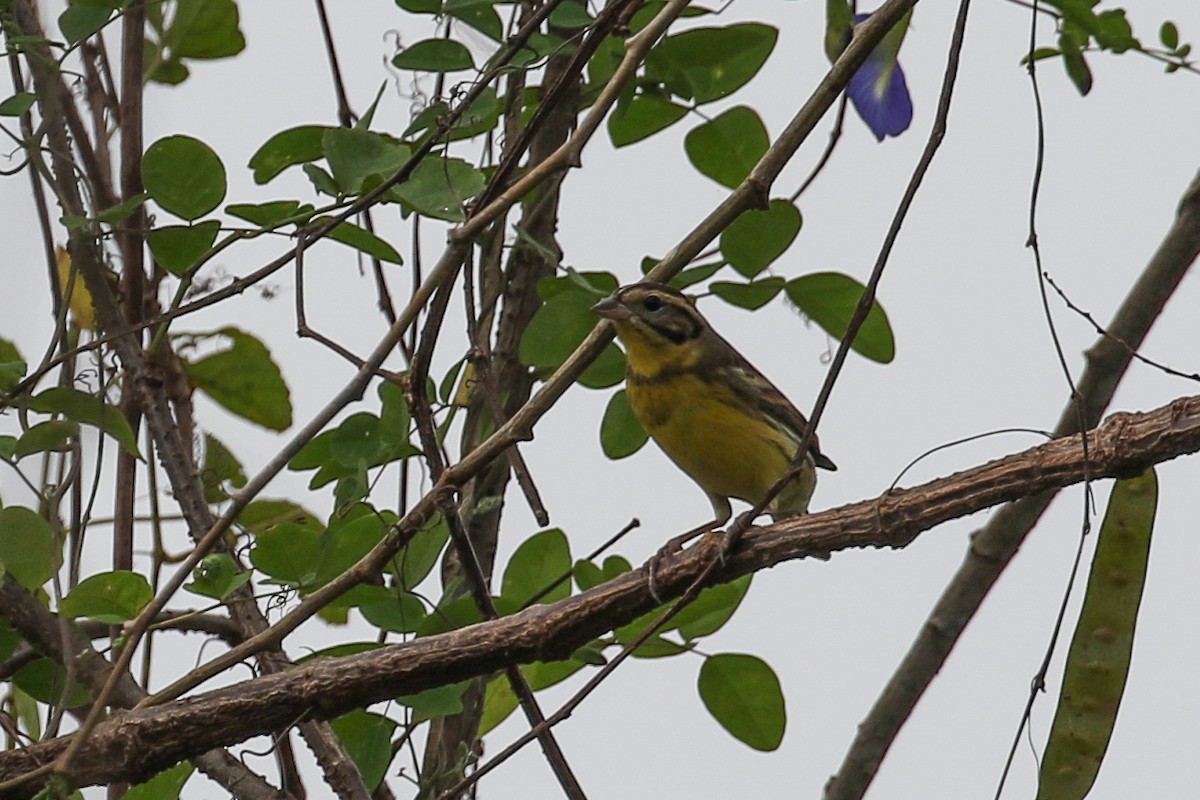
(559, 327)
(184, 176)
(163, 786)
(414, 563)
(88, 409)
(538, 562)
(287, 148)
(727, 148)
(46, 681)
(711, 609)
(177, 248)
(621, 434)
(46, 437)
(706, 64)
(402, 614)
(244, 379)
(216, 576)
(642, 117)
(753, 295)
(81, 20)
(756, 238)
(112, 597)
(744, 695)
(287, 553)
(435, 55)
(368, 741)
(829, 299)
(28, 551)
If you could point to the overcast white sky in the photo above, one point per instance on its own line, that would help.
(973, 355)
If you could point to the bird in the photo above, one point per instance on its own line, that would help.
(716, 416)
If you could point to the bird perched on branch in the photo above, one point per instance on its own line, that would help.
(707, 407)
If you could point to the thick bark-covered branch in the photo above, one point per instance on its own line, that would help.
(134, 745)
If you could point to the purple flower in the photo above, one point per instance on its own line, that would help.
(878, 91)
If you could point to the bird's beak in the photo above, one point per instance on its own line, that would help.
(611, 308)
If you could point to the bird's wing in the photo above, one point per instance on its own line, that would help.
(753, 388)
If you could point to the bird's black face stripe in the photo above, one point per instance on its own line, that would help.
(676, 324)
(670, 316)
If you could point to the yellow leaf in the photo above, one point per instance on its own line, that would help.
(78, 298)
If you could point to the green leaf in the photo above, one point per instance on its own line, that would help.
(53, 436)
(46, 681)
(363, 240)
(439, 187)
(356, 443)
(437, 702)
(347, 540)
(711, 609)
(81, 20)
(481, 116)
(244, 380)
(184, 176)
(12, 365)
(1075, 64)
(694, 275)
(743, 694)
(435, 55)
(216, 576)
(499, 702)
(403, 614)
(260, 515)
(829, 299)
(450, 615)
(166, 785)
(641, 118)
(560, 326)
(204, 29)
(479, 14)
(121, 211)
(269, 215)
(570, 15)
(421, 6)
(368, 741)
(220, 467)
(360, 160)
(298, 145)
(621, 434)
(1101, 649)
(588, 576)
(287, 552)
(727, 148)
(1168, 34)
(839, 17)
(87, 409)
(28, 550)
(178, 248)
(111, 597)
(18, 104)
(756, 238)
(706, 64)
(418, 558)
(753, 295)
(394, 419)
(538, 562)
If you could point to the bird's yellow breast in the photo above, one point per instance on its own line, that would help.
(711, 435)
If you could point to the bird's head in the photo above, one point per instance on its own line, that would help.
(657, 324)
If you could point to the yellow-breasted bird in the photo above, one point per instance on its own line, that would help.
(706, 406)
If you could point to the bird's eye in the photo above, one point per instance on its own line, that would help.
(652, 302)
